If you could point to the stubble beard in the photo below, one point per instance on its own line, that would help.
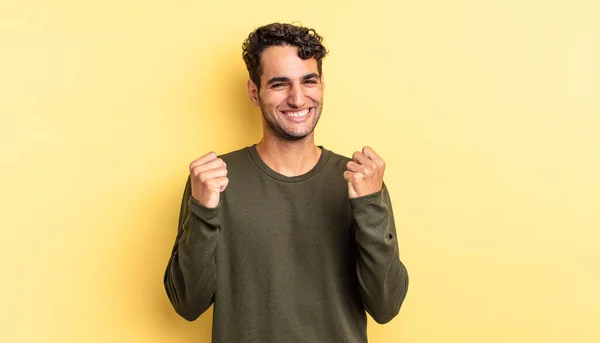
(280, 131)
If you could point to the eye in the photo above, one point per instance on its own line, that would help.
(314, 82)
(277, 85)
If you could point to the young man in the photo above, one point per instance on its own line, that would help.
(290, 241)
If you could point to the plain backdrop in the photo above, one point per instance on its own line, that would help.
(486, 112)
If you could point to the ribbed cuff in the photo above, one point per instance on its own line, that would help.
(369, 199)
(202, 211)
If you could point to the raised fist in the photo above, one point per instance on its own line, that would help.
(208, 175)
(364, 173)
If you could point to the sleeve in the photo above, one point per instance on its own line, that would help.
(190, 277)
(382, 277)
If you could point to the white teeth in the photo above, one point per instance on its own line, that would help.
(298, 114)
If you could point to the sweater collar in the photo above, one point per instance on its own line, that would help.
(267, 170)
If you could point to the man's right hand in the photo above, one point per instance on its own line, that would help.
(208, 175)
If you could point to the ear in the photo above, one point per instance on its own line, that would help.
(253, 93)
(322, 81)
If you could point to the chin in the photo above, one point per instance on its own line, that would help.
(296, 136)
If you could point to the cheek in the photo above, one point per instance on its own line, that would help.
(315, 94)
(273, 99)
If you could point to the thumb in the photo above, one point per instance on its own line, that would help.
(351, 191)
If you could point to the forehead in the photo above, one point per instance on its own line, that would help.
(283, 61)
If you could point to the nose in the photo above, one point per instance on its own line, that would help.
(296, 96)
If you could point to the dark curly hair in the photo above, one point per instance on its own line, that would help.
(276, 34)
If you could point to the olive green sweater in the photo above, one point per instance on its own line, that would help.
(287, 259)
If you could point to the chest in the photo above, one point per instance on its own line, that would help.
(296, 222)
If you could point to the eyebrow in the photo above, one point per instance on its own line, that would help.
(278, 79)
(287, 79)
(311, 76)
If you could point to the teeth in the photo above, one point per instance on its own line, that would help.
(298, 114)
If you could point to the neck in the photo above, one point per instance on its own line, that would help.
(289, 158)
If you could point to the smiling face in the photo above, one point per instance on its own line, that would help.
(291, 93)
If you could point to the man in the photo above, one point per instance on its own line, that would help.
(290, 241)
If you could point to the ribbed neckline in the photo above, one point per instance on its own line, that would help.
(325, 154)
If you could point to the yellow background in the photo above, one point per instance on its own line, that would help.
(487, 113)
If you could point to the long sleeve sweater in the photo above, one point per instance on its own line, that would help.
(287, 259)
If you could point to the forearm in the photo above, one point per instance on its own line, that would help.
(382, 277)
(190, 277)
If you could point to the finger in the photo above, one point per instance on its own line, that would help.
(352, 177)
(201, 160)
(218, 184)
(348, 175)
(213, 164)
(213, 174)
(355, 167)
(372, 155)
(361, 158)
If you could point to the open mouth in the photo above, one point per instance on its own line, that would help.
(297, 114)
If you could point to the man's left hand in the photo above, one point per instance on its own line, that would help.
(364, 173)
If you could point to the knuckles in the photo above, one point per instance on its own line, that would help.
(199, 173)
(202, 177)
(194, 167)
(357, 177)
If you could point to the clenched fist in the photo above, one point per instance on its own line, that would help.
(364, 173)
(208, 175)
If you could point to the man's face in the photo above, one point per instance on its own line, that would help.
(291, 93)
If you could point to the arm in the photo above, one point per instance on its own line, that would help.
(383, 279)
(190, 277)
